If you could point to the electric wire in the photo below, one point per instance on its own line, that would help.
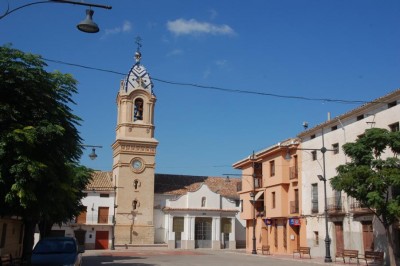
(341, 101)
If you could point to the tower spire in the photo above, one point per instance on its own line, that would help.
(138, 55)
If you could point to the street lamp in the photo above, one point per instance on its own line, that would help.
(253, 195)
(93, 154)
(321, 178)
(87, 25)
(113, 220)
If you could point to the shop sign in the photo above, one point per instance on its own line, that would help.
(294, 221)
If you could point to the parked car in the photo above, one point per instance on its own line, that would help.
(57, 251)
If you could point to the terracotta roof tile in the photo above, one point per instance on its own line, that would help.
(181, 184)
(101, 181)
(174, 184)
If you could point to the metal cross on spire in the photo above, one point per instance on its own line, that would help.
(138, 55)
(139, 43)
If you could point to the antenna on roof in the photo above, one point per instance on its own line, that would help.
(305, 125)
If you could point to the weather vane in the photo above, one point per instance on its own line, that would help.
(139, 43)
(138, 55)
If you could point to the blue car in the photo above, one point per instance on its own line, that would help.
(57, 251)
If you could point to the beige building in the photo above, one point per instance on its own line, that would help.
(284, 198)
(271, 195)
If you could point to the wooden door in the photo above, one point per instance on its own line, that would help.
(81, 219)
(368, 235)
(103, 215)
(339, 236)
(101, 240)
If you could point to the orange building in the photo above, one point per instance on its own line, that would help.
(271, 199)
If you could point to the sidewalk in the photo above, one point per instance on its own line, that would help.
(304, 259)
(155, 251)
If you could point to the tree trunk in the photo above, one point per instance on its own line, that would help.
(45, 228)
(28, 239)
(392, 257)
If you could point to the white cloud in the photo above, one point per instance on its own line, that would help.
(221, 63)
(175, 52)
(189, 27)
(126, 27)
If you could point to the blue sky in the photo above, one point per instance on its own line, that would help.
(337, 49)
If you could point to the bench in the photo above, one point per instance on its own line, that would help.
(375, 257)
(264, 248)
(347, 253)
(8, 260)
(302, 250)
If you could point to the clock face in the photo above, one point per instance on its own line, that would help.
(137, 165)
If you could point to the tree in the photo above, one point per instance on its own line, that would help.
(40, 178)
(373, 177)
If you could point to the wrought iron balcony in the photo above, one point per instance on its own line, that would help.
(294, 207)
(335, 204)
(293, 172)
(314, 207)
(258, 182)
(358, 207)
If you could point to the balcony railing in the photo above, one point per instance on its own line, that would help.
(258, 182)
(294, 207)
(357, 206)
(293, 172)
(335, 204)
(102, 219)
(314, 207)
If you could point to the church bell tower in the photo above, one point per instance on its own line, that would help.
(134, 152)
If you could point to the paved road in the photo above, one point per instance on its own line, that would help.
(189, 257)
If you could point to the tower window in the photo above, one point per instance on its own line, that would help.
(135, 204)
(138, 110)
(136, 184)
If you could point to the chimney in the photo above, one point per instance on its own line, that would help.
(329, 116)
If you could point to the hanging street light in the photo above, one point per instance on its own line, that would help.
(87, 25)
(93, 154)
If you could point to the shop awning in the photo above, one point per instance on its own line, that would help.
(258, 195)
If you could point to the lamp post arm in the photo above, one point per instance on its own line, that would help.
(81, 4)
(8, 11)
(92, 146)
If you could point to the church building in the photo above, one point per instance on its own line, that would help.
(132, 205)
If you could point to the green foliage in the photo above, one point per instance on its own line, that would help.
(373, 175)
(40, 146)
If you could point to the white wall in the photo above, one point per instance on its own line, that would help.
(348, 130)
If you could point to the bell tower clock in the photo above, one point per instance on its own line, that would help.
(134, 153)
